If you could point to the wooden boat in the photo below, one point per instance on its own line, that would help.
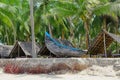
(61, 50)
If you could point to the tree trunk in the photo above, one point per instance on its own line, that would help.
(117, 25)
(86, 26)
(34, 55)
(71, 28)
(7, 36)
(104, 23)
(14, 33)
(71, 34)
(28, 38)
(50, 30)
(105, 51)
(63, 35)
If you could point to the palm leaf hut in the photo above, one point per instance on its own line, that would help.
(23, 49)
(5, 50)
(102, 42)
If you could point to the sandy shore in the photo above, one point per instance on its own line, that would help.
(92, 73)
(54, 77)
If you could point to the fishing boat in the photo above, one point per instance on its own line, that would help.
(61, 50)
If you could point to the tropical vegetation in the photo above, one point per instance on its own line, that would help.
(78, 21)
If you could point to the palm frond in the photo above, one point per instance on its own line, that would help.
(7, 7)
(115, 7)
(5, 19)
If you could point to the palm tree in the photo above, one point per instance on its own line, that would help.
(79, 9)
(44, 19)
(6, 12)
(14, 16)
(84, 9)
(32, 29)
(71, 18)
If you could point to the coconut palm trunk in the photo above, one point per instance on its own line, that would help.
(104, 23)
(105, 28)
(63, 37)
(50, 30)
(32, 29)
(86, 26)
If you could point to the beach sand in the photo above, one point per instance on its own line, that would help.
(91, 73)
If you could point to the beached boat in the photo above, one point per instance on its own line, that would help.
(61, 50)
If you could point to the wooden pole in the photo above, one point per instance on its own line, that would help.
(116, 32)
(105, 52)
(18, 51)
(34, 55)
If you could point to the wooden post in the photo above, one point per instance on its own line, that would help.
(104, 45)
(18, 51)
(90, 55)
(116, 32)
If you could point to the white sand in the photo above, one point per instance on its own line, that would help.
(92, 73)
(99, 71)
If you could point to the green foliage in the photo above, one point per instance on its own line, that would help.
(63, 16)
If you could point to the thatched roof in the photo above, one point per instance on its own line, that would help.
(22, 49)
(97, 45)
(5, 50)
(45, 51)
